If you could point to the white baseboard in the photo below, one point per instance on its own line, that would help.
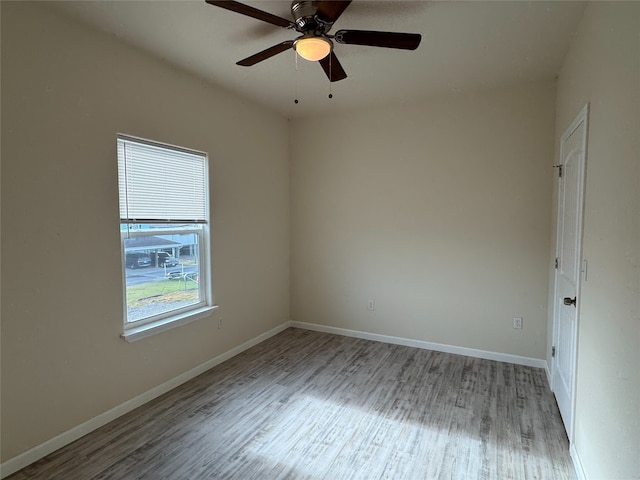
(439, 347)
(548, 372)
(577, 464)
(27, 458)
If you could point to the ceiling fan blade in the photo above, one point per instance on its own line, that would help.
(332, 68)
(404, 41)
(330, 10)
(268, 53)
(251, 12)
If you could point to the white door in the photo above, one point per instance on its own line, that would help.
(573, 146)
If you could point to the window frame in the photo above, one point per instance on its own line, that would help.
(150, 325)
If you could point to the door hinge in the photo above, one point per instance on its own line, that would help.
(559, 167)
(553, 352)
(557, 262)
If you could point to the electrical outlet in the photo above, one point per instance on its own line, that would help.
(220, 323)
(371, 305)
(517, 323)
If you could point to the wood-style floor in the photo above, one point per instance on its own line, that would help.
(309, 405)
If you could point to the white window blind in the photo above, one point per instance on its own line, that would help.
(161, 184)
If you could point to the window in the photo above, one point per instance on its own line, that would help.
(164, 227)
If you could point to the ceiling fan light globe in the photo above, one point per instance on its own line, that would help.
(312, 48)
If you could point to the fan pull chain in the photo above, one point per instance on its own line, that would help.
(330, 76)
(295, 100)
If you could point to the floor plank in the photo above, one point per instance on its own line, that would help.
(311, 405)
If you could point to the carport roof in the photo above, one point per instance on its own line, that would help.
(149, 243)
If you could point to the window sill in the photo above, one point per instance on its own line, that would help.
(134, 334)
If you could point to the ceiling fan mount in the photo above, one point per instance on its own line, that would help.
(313, 19)
(306, 20)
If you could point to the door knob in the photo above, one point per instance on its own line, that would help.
(570, 301)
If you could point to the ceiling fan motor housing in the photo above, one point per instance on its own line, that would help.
(306, 20)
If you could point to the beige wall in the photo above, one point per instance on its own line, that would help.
(602, 67)
(438, 211)
(66, 92)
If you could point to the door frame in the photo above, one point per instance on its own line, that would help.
(581, 118)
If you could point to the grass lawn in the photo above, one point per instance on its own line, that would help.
(161, 291)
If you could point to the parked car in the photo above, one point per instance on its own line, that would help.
(137, 260)
(166, 259)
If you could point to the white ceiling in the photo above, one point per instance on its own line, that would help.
(465, 46)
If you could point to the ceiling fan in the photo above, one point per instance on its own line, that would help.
(313, 20)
